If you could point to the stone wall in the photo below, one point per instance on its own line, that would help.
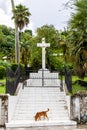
(78, 107)
(3, 109)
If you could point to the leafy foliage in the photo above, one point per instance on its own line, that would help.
(78, 34)
(6, 42)
(4, 64)
(21, 16)
(2, 72)
(78, 88)
(52, 36)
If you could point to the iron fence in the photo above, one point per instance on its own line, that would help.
(12, 80)
(68, 79)
(43, 78)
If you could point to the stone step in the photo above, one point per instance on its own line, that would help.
(60, 110)
(32, 114)
(37, 90)
(42, 88)
(42, 94)
(32, 118)
(52, 96)
(35, 110)
(41, 100)
(44, 105)
(21, 114)
(41, 103)
(42, 97)
(26, 123)
(41, 108)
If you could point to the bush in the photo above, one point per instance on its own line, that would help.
(78, 88)
(14, 67)
(5, 64)
(2, 72)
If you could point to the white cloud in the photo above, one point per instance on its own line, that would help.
(42, 12)
(5, 19)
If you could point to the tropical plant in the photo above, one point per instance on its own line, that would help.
(26, 47)
(78, 35)
(21, 18)
(63, 46)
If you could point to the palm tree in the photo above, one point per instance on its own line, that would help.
(78, 35)
(21, 18)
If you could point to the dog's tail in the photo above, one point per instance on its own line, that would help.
(47, 110)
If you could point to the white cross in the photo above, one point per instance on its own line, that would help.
(43, 45)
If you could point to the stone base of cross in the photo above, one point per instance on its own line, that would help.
(43, 45)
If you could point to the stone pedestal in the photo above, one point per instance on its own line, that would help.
(44, 78)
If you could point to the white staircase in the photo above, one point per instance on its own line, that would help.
(33, 99)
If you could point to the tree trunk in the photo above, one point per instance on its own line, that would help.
(17, 50)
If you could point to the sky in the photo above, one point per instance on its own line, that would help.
(50, 12)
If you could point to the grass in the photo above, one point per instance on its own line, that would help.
(76, 87)
(74, 78)
(2, 87)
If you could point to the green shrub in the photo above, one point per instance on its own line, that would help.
(2, 72)
(3, 63)
(78, 88)
(14, 67)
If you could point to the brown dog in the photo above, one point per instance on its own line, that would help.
(41, 114)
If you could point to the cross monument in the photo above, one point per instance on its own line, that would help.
(43, 45)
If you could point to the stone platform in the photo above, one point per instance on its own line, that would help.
(43, 78)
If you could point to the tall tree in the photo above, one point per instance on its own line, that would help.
(26, 47)
(21, 18)
(78, 35)
(16, 35)
(51, 36)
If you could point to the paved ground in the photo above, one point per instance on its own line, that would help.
(80, 127)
